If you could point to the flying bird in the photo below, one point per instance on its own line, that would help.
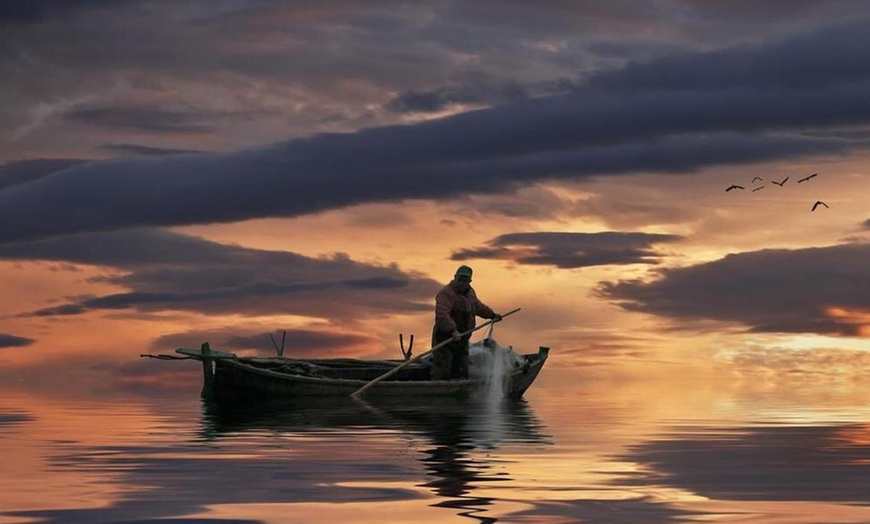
(759, 188)
(807, 178)
(757, 178)
(734, 186)
(784, 180)
(819, 203)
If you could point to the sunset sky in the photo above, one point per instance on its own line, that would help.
(180, 171)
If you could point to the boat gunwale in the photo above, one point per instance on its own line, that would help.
(534, 359)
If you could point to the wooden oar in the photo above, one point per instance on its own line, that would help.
(396, 369)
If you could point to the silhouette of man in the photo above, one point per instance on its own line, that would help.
(456, 307)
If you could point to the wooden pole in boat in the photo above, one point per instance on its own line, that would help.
(396, 369)
(207, 371)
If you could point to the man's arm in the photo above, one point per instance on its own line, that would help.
(481, 309)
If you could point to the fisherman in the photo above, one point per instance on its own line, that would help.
(456, 307)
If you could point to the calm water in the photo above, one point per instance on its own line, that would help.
(644, 453)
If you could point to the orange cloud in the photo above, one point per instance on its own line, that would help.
(859, 318)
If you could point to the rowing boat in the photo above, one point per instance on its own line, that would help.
(231, 377)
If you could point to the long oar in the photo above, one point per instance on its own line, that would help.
(396, 369)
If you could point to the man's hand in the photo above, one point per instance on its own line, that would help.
(456, 335)
(496, 318)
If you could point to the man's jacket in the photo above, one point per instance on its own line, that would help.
(455, 311)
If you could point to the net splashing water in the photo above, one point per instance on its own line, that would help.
(494, 364)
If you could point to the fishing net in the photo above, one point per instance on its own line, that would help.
(494, 363)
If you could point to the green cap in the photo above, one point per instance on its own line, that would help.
(463, 271)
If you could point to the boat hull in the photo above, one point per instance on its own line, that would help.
(236, 379)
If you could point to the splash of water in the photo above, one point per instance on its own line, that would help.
(494, 364)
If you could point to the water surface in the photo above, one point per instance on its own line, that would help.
(566, 453)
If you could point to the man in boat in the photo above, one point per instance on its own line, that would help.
(456, 307)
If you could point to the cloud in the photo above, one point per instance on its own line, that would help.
(604, 129)
(23, 171)
(170, 271)
(334, 171)
(533, 202)
(298, 342)
(814, 290)
(12, 341)
(442, 98)
(57, 311)
(20, 11)
(38, 10)
(137, 149)
(821, 365)
(619, 211)
(147, 119)
(571, 250)
(780, 63)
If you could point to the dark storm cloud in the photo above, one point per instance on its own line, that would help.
(571, 250)
(773, 290)
(23, 171)
(12, 341)
(170, 271)
(764, 12)
(148, 119)
(21, 11)
(333, 171)
(790, 64)
(136, 149)
(818, 463)
(596, 131)
(36, 10)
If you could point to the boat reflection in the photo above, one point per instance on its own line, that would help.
(456, 439)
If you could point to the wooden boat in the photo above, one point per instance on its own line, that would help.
(232, 377)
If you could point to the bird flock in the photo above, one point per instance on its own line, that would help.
(755, 180)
